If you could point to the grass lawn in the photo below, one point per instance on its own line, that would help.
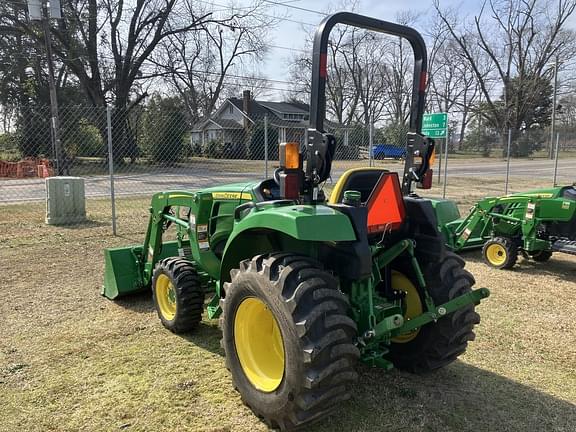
(70, 360)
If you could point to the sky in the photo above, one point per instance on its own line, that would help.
(288, 37)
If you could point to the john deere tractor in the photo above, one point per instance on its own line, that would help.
(535, 224)
(305, 286)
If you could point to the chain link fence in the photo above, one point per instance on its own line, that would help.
(126, 156)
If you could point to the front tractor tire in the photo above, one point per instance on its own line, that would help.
(438, 344)
(288, 339)
(178, 294)
(500, 253)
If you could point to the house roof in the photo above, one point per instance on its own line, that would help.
(258, 109)
(215, 123)
(285, 107)
(255, 108)
(227, 123)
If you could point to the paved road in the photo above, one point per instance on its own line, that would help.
(522, 168)
(24, 190)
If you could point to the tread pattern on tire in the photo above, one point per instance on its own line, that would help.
(189, 294)
(440, 343)
(325, 335)
(511, 251)
(542, 256)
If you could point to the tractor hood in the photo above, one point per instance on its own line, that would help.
(543, 193)
(232, 188)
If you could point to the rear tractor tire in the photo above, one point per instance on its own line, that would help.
(500, 252)
(288, 339)
(178, 294)
(541, 256)
(435, 345)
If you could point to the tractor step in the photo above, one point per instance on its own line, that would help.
(565, 246)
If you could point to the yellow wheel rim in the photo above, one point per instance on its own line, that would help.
(165, 296)
(412, 302)
(496, 254)
(259, 344)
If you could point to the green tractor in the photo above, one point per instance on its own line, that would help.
(535, 224)
(304, 287)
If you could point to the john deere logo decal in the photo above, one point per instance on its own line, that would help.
(231, 195)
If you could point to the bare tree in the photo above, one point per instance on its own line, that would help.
(369, 75)
(108, 44)
(341, 95)
(453, 86)
(200, 65)
(517, 39)
(258, 85)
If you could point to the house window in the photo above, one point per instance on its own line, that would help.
(292, 116)
(295, 117)
(230, 109)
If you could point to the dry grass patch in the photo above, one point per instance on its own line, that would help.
(71, 360)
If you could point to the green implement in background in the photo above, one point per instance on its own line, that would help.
(534, 224)
(435, 125)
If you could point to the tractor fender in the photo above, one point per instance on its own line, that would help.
(290, 228)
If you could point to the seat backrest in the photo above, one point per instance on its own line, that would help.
(569, 193)
(362, 180)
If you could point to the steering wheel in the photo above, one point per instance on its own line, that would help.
(276, 176)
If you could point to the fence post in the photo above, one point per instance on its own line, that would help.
(370, 140)
(111, 166)
(61, 166)
(440, 162)
(266, 146)
(557, 151)
(445, 163)
(508, 161)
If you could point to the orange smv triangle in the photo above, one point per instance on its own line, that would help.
(385, 204)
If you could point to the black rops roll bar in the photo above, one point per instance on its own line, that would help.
(319, 64)
(320, 144)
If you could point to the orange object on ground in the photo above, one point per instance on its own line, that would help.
(29, 167)
(26, 168)
(45, 168)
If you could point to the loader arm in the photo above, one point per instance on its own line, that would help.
(129, 269)
(191, 213)
(471, 232)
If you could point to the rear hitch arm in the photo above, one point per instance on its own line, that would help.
(472, 297)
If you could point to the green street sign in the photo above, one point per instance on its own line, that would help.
(435, 125)
(435, 133)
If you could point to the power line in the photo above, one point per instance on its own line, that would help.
(154, 64)
(227, 77)
(228, 82)
(295, 7)
(288, 48)
(227, 7)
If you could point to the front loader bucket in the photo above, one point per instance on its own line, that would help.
(122, 272)
(123, 269)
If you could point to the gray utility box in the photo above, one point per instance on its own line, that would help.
(65, 200)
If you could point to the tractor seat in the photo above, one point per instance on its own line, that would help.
(362, 180)
(569, 193)
(380, 192)
(266, 190)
